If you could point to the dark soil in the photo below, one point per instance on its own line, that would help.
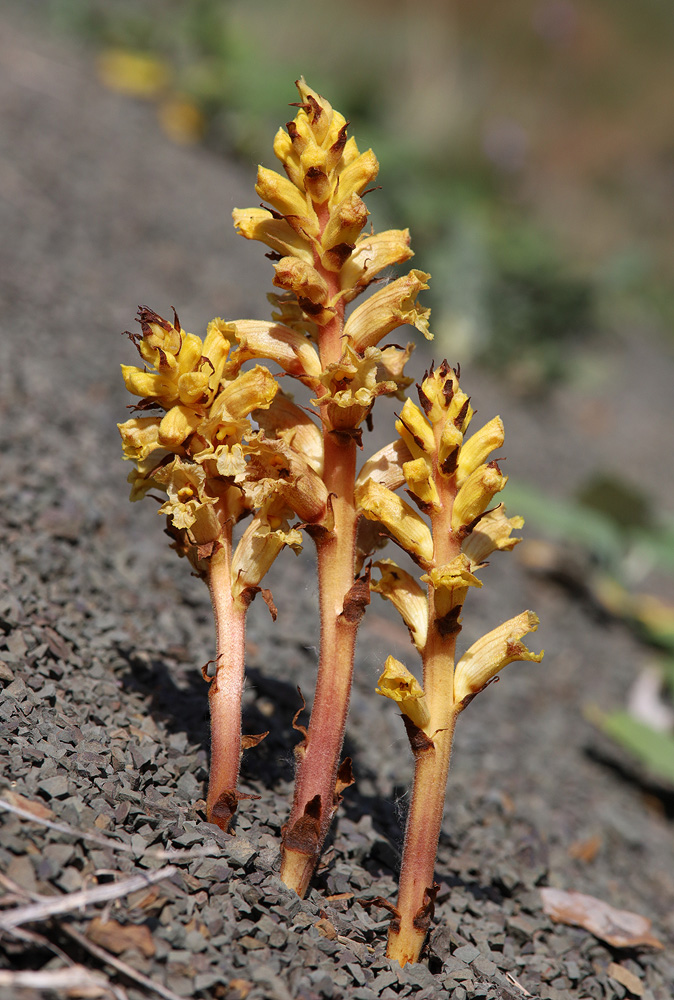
(103, 711)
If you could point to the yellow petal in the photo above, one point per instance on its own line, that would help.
(409, 599)
(345, 222)
(372, 254)
(150, 385)
(250, 390)
(492, 652)
(476, 494)
(291, 350)
(285, 197)
(419, 477)
(140, 437)
(259, 224)
(259, 545)
(386, 466)
(491, 533)
(386, 310)
(302, 279)
(415, 430)
(402, 522)
(177, 425)
(399, 684)
(450, 583)
(478, 447)
(292, 425)
(357, 175)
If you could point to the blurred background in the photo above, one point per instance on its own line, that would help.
(529, 147)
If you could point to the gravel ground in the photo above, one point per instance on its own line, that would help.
(103, 710)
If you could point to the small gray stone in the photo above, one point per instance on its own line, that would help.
(466, 953)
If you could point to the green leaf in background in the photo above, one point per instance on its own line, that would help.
(652, 748)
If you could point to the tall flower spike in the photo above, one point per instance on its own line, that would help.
(196, 448)
(323, 260)
(453, 484)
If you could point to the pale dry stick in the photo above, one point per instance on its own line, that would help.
(160, 853)
(116, 963)
(48, 907)
(75, 977)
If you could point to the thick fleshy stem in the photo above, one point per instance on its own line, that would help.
(318, 780)
(432, 753)
(226, 689)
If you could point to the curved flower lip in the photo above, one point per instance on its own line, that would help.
(387, 309)
(278, 234)
(247, 392)
(407, 596)
(188, 506)
(492, 533)
(491, 653)
(288, 348)
(397, 683)
(401, 521)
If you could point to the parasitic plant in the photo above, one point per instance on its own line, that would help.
(452, 485)
(224, 443)
(323, 261)
(196, 450)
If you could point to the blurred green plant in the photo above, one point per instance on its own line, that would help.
(612, 523)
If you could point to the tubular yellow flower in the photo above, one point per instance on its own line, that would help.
(301, 278)
(357, 174)
(493, 532)
(259, 224)
(266, 535)
(288, 200)
(386, 466)
(450, 584)
(177, 425)
(373, 253)
(401, 521)
(476, 494)
(492, 652)
(292, 425)
(415, 430)
(353, 385)
(386, 310)
(419, 477)
(476, 449)
(408, 598)
(289, 349)
(140, 437)
(188, 506)
(397, 683)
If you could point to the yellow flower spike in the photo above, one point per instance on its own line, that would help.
(492, 652)
(492, 533)
(415, 430)
(386, 310)
(177, 425)
(476, 449)
(401, 686)
(284, 196)
(386, 466)
(266, 535)
(289, 349)
(401, 521)
(259, 224)
(408, 598)
(371, 255)
(476, 494)
(292, 425)
(140, 437)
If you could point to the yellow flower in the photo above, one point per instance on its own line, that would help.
(292, 425)
(398, 683)
(385, 466)
(476, 494)
(476, 449)
(491, 653)
(373, 252)
(386, 310)
(403, 523)
(188, 507)
(266, 535)
(409, 599)
(289, 349)
(140, 437)
(493, 532)
(450, 583)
